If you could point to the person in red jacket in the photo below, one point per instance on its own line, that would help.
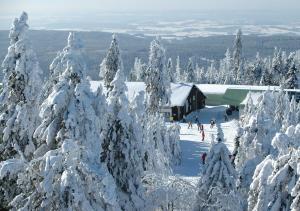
(203, 157)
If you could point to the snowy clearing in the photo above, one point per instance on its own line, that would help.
(191, 141)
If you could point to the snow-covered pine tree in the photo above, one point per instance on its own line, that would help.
(138, 71)
(218, 183)
(170, 70)
(291, 81)
(253, 71)
(282, 102)
(255, 144)
(190, 72)
(121, 148)
(287, 64)
(237, 54)
(111, 63)
(201, 75)
(266, 78)
(275, 183)
(59, 63)
(277, 67)
(227, 70)
(290, 114)
(211, 73)
(18, 106)
(157, 83)
(66, 173)
(178, 71)
(241, 75)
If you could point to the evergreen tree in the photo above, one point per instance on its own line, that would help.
(237, 54)
(18, 106)
(157, 83)
(218, 182)
(277, 67)
(111, 63)
(254, 71)
(226, 69)
(138, 71)
(66, 172)
(291, 78)
(178, 71)
(211, 74)
(190, 73)
(72, 52)
(121, 151)
(266, 78)
(170, 71)
(275, 184)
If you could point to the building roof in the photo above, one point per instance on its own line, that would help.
(179, 91)
(218, 94)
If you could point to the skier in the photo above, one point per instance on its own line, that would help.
(203, 157)
(212, 123)
(190, 125)
(198, 123)
(203, 135)
(201, 127)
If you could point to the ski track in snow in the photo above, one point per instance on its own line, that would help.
(191, 143)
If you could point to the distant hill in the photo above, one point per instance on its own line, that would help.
(46, 43)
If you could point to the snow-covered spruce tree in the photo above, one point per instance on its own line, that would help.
(291, 81)
(253, 71)
(255, 143)
(277, 67)
(200, 75)
(290, 117)
(122, 149)
(211, 74)
(190, 72)
(18, 106)
(157, 83)
(241, 79)
(178, 72)
(111, 63)
(72, 52)
(170, 70)
(66, 173)
(218, 183)
(266, 78)
(282, 103)
(227, 69)
(275, 183)
(138, 71)
(237, 54)
(287, 64)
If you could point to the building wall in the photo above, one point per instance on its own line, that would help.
(195, 101)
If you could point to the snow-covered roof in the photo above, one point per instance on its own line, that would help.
(222, 88)
(179, 91)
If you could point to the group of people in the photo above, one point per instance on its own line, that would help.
(200, 126)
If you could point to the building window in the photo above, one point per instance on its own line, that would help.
(194, 97)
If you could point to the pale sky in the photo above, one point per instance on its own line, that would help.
(69, 6)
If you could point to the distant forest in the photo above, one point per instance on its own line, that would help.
(48, 43)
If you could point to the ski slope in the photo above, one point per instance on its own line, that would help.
(191, 141)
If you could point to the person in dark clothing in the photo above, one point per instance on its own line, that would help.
(190, 125)
(203, 157)
(198, 123)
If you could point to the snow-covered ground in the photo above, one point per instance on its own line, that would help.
(191, 141)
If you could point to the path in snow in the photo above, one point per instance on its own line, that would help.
(190, 139)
